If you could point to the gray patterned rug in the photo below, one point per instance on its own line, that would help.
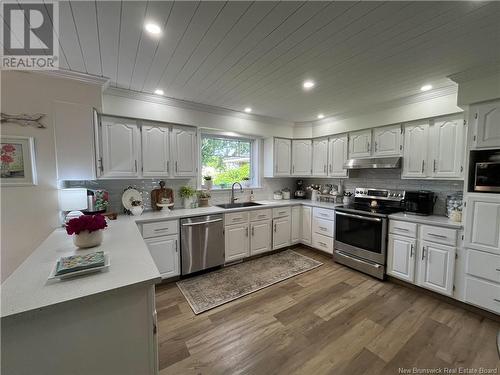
(213, 289)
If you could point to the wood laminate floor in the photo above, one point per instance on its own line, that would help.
(331, 320)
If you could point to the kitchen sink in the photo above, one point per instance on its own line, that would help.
(238, 205)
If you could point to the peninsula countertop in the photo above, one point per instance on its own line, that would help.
(28, 287)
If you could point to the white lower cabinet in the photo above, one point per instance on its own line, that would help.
(306, 225)
(261, 237)
(281, 232)
(437, 267)
(401, 257)
(323, 229)
(165, 252)
(423, 262)
(237, 241)
(296, 224)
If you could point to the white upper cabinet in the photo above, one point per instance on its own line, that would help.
(320, 157)
(387, 141)
(280, 158)
(337, 156)
(155, 151)
(301, 157)
(448, 149)
(482, 225)
(120, 148)
(184, 152)
(416, 139)
(360, 144)
(487, 125)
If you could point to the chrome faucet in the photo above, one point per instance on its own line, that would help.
(232, 192)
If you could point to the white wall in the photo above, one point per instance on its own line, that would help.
(30, 213)
(434, 107)
(157, 111)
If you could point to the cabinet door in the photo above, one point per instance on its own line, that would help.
(281, 232)
(155, 151)
(360, 144)
(437, 265)
(261, 237)
(482, 224)
(120, 148)
(487, 125)
(401, 258)
(337, 156)
(301, 157)
(448, 153)
(165, 253)
(387, 141)
(306, 225)
(183, 151)
(237, 242)
(296, 224)
(282, 157)
(320, 157)
(416, 138)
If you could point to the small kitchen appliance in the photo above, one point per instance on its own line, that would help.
(419, 202)
(300, 193)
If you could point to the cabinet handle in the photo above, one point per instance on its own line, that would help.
(101, 166)
(496, 299)
(423, 252)
(247, 231)
(175, 245)
(375, 146)
(323, 228)
(176, 166)
(274, 228)
(367, 146)
(411, 251)
(135, 166)
(437, 235)
(331, 168)
(168, 166)
(322, 243)
(253, 231)
(324, 168)
(434, 166)
(293, 168)
(423, 165)
(498, 269)
(403, 229)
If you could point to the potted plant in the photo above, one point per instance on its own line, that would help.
(137, 208)
(208, 182)
(246, 181)
(203, 197)
(187, 193)
(86, 230)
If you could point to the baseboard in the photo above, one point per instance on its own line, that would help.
(451, 301)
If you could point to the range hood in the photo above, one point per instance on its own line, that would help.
(373, 163)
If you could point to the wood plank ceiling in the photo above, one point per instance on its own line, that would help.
(238, 54)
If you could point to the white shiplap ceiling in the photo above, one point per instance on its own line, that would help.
(238, 54)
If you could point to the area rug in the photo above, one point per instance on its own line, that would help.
(216, 288)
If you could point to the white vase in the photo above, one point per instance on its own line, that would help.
(137, 210)
(209, 184)
(188, 202)
(88, 239)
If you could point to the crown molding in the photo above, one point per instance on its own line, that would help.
(399, 102)
(77, 76)
(185, 104)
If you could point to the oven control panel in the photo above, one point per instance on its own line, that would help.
(395, 195)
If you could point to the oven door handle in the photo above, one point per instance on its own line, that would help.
(358, 216)
(358, 260)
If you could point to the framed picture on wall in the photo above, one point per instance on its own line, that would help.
(17, 157)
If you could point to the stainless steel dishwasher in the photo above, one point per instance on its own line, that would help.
(202, 243)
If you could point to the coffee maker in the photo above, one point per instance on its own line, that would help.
(300, 193)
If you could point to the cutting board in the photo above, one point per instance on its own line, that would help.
(159, 193)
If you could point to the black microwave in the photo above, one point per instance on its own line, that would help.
(487, 177)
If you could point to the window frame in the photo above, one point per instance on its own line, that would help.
(255, 158)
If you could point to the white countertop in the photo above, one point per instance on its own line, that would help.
(441, 221)
(27, 288)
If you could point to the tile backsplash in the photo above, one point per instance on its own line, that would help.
(116, 187)
(391, 179)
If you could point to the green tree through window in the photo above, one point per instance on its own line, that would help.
(227, 160)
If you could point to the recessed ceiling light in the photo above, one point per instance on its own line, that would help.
(308, 84)
(426, 88)
(152, 28)
(159, 92)
(248, 109)
(320, 116)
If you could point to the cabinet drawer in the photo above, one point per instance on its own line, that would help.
(322, 226)
(484, 265)
(324, 213)
(445, 236)
(323, 243)
(483, 294)
(403, 228)
(281, 212)
(236, 218)
(160, 228)
(261, 214)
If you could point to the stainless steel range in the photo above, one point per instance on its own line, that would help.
(361, 229)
